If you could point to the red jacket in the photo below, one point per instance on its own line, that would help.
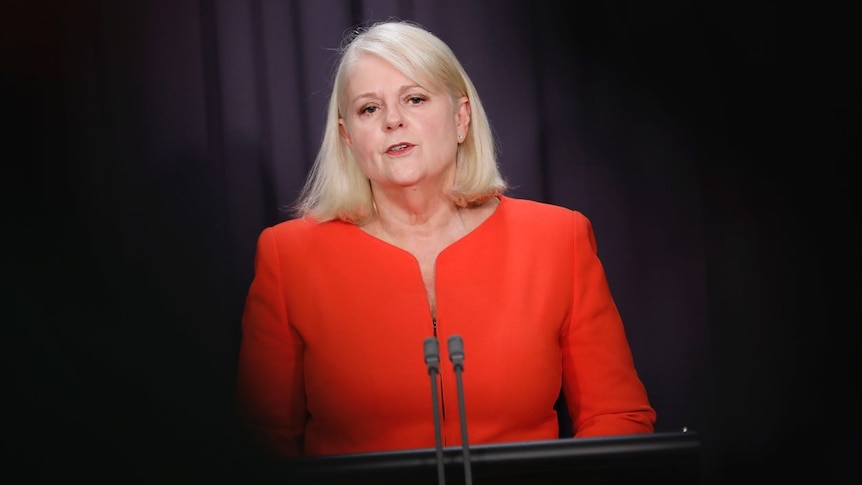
(332, 360)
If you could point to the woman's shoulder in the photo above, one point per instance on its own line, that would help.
(546, 221)
(306, 228)
(298, 224)
(530, 209)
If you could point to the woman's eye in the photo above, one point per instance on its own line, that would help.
(415, 99)
(368, 109)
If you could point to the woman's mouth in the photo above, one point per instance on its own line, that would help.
(398, 148)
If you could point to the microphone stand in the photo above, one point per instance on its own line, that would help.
(456, 355)
(432, 360)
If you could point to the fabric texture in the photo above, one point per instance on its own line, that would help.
(332, 362)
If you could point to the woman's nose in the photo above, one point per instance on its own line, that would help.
(394, 119)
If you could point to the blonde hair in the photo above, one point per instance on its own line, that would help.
(336, 188)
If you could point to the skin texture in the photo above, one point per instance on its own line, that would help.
(386, 108)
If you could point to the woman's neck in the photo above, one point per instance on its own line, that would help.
(415, 220)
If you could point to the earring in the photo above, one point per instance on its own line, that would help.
(460, 136)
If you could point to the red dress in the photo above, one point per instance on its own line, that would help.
(332, 362)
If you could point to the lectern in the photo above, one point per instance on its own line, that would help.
(672, 458)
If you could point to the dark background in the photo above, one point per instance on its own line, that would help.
(714, 145)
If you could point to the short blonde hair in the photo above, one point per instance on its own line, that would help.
(336, 187)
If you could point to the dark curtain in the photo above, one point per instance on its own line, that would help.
(148, 142)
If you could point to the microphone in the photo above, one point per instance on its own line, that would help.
(432, 360)
(456, 355)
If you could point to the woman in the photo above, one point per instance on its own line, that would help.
(402, 232)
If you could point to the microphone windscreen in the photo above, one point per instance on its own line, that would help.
(456, 348)
(432, 351)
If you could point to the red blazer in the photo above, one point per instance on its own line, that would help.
(332, 360)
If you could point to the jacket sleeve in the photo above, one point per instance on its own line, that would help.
(602, 389)
(270, 387)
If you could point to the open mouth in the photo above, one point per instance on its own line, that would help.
(398, 148)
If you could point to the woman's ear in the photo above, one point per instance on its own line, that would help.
(344, 133)
(462, 117)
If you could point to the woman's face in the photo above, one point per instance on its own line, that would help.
(403, 135)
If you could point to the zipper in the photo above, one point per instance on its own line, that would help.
(440, 382)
